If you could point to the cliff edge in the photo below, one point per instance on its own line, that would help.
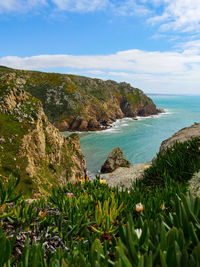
(30, 146)
(79, 103)
(181, 136)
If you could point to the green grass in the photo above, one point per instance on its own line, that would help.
(179, 163)
(100, 226)
(12, 131)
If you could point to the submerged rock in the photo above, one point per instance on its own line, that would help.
(115, 160)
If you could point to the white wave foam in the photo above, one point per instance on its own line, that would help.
(119, 124)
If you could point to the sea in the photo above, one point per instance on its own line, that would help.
(140, 139)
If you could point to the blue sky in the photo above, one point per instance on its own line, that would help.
(152, 44)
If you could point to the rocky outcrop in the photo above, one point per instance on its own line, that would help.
(194, 185)
(78, 103)
(30, 146)
(181, 136)
(115, 160)
(124, 177)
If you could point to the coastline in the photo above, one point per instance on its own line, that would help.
(113, 130)
(119, 121)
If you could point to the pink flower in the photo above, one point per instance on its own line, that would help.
(139, 207)
(40, 212)
(69, 194)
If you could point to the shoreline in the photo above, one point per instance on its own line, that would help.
(112, 125)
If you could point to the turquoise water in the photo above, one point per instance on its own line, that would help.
(140, 140)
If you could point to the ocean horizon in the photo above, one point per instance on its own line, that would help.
(140, 139)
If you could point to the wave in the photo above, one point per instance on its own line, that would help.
(166, 112)
(119, 125)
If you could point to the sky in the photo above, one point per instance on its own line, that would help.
(152, 44)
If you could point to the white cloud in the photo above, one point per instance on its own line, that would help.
(130, 8)
(19, 6)
(130, 60)
(191, 47)
(80, 5)
(179, 15)
(175, 15)
(159, 71)
(95, 72)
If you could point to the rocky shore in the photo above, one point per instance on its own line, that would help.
(124, 177)
(75, 103)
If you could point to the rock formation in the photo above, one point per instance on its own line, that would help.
(79, 103)
(115, 160)
(181, 136)
(124, 177)
(194, 185)
(30, 146)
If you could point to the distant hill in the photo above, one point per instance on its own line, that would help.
(78, 103)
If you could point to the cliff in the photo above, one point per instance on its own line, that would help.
(79, 103)
(181, 136)
(30, 146)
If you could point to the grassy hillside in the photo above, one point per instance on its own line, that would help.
(75, 102)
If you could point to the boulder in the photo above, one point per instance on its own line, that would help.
(115, 160)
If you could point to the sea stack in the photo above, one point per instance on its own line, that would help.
(115, 160)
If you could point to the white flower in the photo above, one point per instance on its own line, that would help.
(138, 232)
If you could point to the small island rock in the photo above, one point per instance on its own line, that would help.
(115, 160)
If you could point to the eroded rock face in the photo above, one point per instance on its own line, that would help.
(194, 185)
(77, 103)
(115, 160)
(181, 136)
(30, 146)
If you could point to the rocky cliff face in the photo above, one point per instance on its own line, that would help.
(79, 103)
(181, 136)
(30, 146)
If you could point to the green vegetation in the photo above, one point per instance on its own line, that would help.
(7, 190)
(178, 163)
(11, 132)
(21, 152)
(91, 224)
(69, 95)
